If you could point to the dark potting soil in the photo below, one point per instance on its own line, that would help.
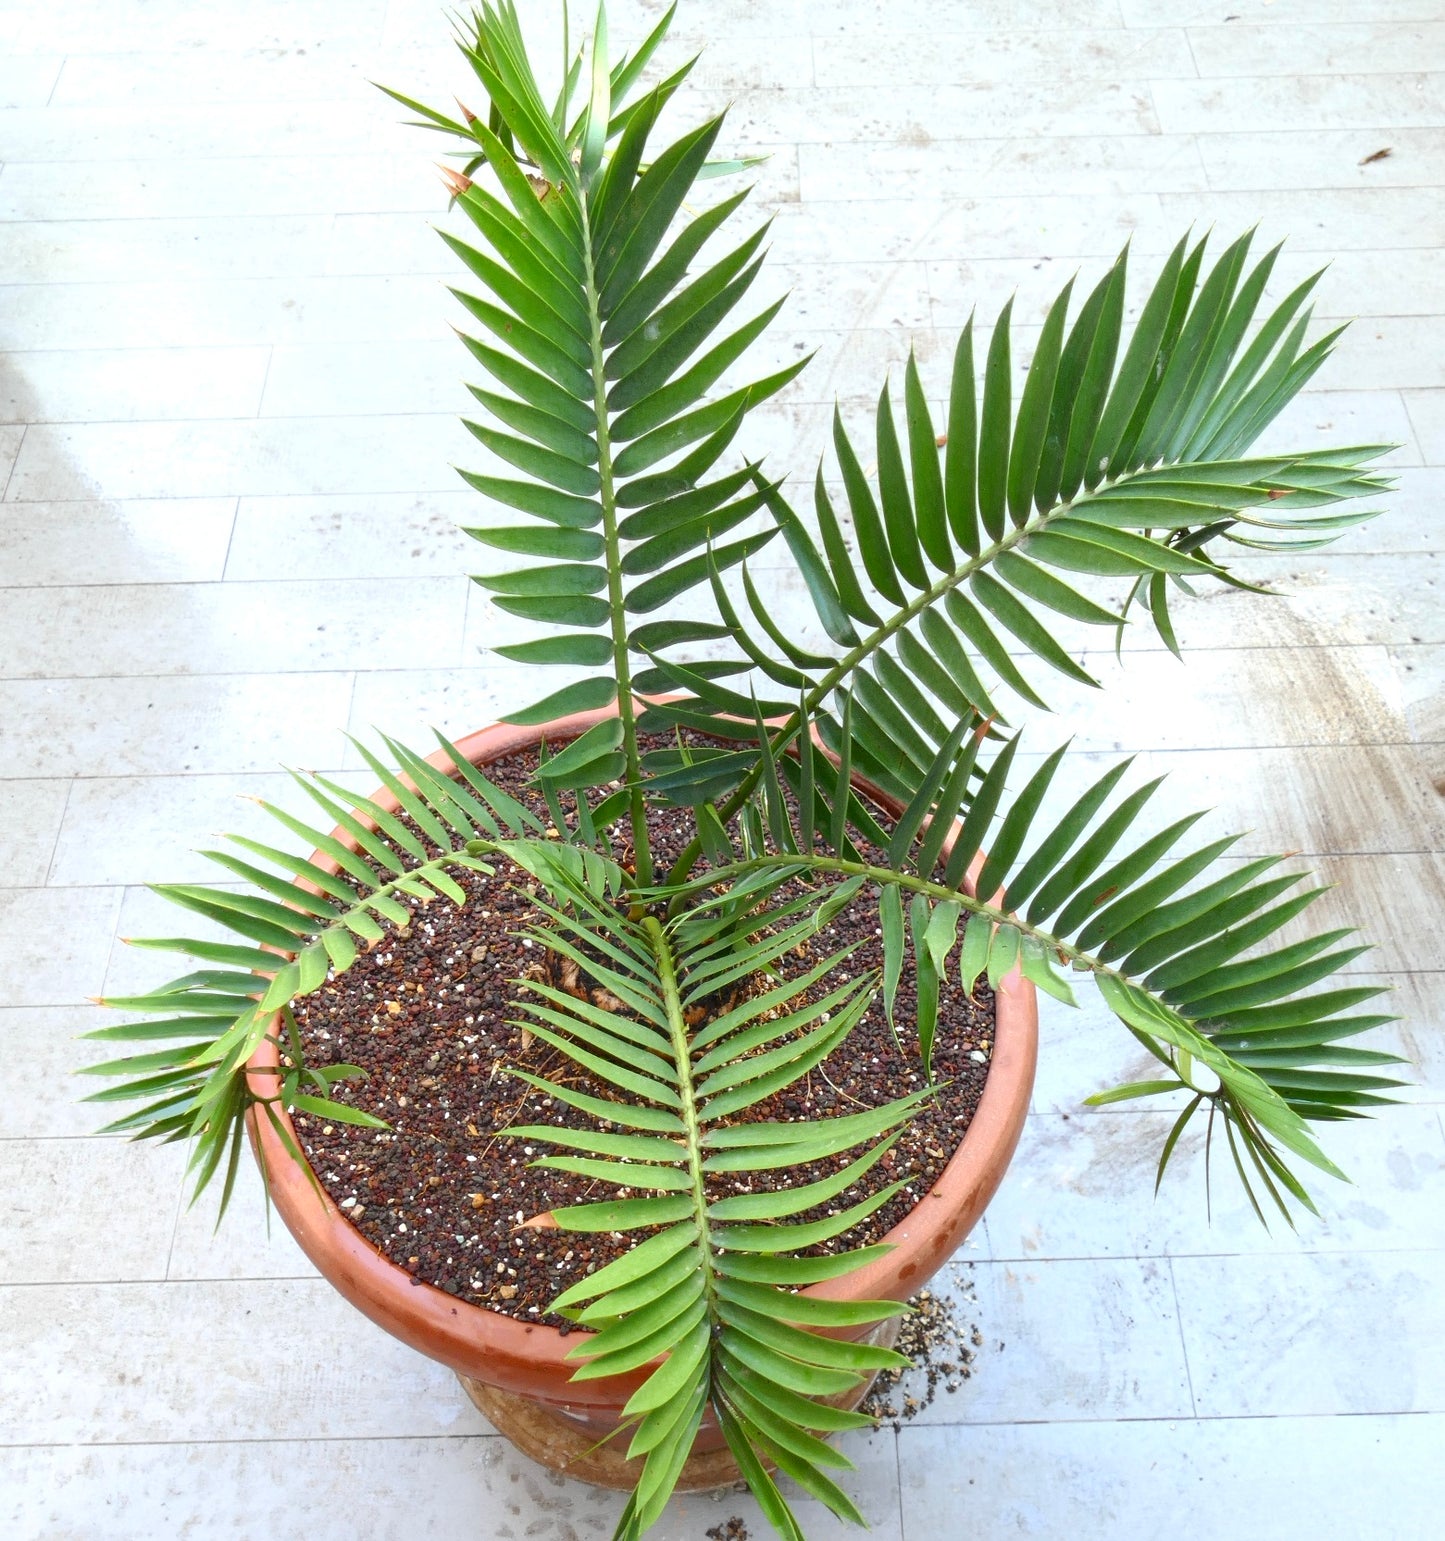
(427, 1013)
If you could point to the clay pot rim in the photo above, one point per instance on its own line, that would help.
(456, 1330)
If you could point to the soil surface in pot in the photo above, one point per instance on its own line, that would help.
(427, 1014)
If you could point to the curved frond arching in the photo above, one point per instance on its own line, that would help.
(710, 1289)
(1185, 947)
(954, 584)
(605, 340)
(296, 924)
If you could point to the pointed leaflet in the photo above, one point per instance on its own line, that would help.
(1064, 883)
(671, 333)
(960, 463)
(666, 401)
(1244, 373)
(1020, 620)
(993, 435)
(1128, 455)
(925, 797)
(647, 211)
(872, 543)
(898, 513)
(951, 799)
(1213, 369)
(926, 980)
(535, 346)
(535, 388)
(718, 417)
(1134, 372)
(928, 669)
(909, 699)
(1035, 407)
(545, 465)
(840, 563)
(599, 105)
(928, 494)
(1073, 361)
(1053, 847)
(972, 625)
(666, 273)
(545, 308)
(973, 832)
(1192, 360)
(1093, 389)
(826, 599)
(584, 696)
(530, 269)
(620, 172)
(520, 193)
(549, 431)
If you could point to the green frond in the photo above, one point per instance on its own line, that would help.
(954, 574)
(708, 1287)
(1187, 953)
(608, 338)
(299, 922)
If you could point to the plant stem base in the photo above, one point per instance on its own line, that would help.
(550, 1438)
(555, 1441)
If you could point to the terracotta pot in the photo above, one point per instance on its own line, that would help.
(518, 1372)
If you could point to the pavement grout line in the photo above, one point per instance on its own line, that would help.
(310, 275)
(35, 1139)
(175, 1225)
(1404, 394)
(10, 474)
(231, 585)
(261, 394)
(59, 831)
(897, 1480)
(423, 211)
(1183, 1340)
(380, 154)
(1038, 1259)
(852, 402)
(1032, 1259)
(1174, 1420)
(240, 1281)
(277, 768)
(231, 532)
(335, 1439)
(309, 1439)
(1298, 855)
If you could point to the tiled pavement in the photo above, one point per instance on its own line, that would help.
(227, 411)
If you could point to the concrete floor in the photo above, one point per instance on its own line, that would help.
(228, 405)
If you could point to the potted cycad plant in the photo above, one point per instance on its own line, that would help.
(605, 968)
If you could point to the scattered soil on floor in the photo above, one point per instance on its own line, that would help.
(942, 1346)
(428, 1013)
(731, 1529)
